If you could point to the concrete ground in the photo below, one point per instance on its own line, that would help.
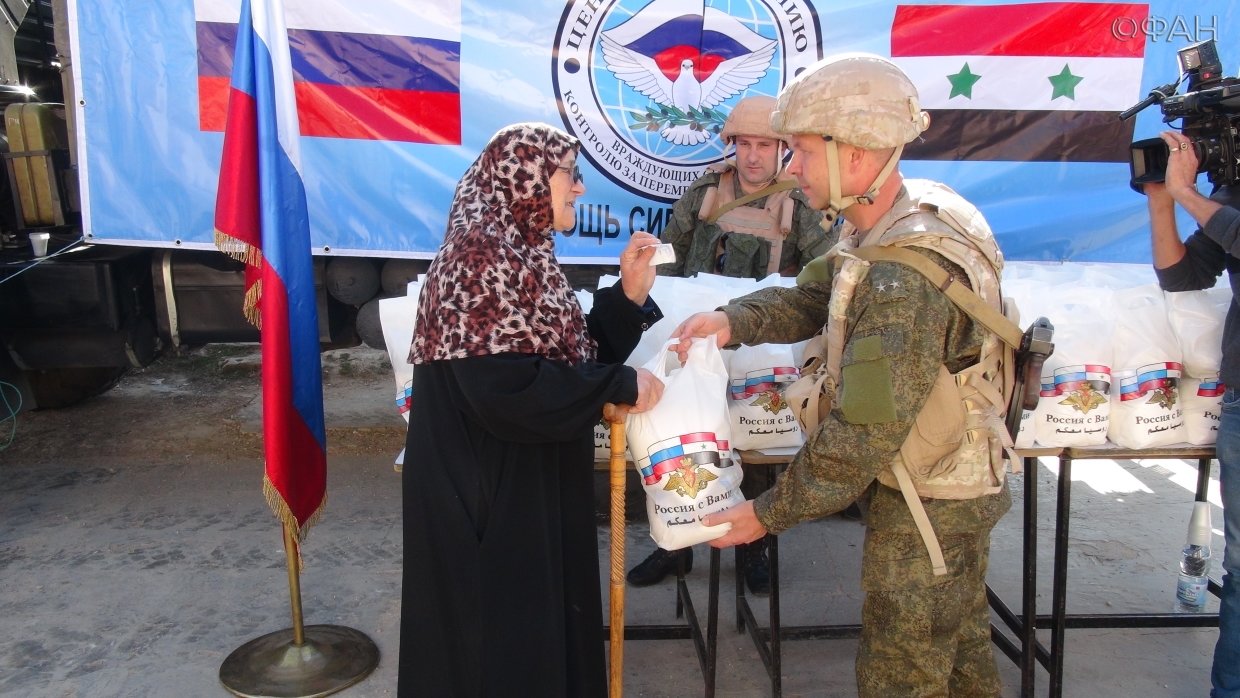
(137, 552)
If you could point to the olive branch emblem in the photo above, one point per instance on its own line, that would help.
(656, 119)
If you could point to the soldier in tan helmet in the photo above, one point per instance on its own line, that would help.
(903, 408)
(743, 218)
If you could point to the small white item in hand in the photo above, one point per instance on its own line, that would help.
(663, 254)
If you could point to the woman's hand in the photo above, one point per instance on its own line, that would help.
(649, 391)
(636, 274)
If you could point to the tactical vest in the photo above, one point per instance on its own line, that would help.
(956, 447)
(772, 222)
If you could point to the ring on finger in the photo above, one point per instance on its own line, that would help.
(1183, 146)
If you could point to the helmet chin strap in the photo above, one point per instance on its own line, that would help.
(838, 201)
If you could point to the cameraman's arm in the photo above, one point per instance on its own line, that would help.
(1165, 237)
(1197, 262)
(1181, 184)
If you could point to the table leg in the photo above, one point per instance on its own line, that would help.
(1029, 582)
(1063, 502)
(777, 676)
(1203, 478)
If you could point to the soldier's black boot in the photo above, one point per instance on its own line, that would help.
(658, 565)
(758, 567)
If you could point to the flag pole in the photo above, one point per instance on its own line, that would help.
(261, 218)
(294, 584)
(300, 661)
(617, 471)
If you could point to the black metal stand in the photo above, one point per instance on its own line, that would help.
(1025, 649)
(1060, 620)
(704, 644)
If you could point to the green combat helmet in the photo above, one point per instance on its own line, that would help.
(861, 99)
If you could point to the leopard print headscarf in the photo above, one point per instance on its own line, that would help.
(495, 285)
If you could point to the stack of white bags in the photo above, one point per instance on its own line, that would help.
(1133, 365)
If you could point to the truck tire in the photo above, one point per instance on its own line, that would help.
(369, 327)
(397, 273)
(62, 387)
(352, 280)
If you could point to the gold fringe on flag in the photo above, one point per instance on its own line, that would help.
(278, 506)
(249, 305)
(237, 249)
(252, 256)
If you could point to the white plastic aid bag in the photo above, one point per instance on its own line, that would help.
(682, 451)
(397, 317)
(1196, 319)
(1203, 407)
(1074, 407)
(1146, 409)
(761, 418)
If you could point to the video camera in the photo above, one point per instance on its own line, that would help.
(1210, 110)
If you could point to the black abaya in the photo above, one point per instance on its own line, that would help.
(501, 576)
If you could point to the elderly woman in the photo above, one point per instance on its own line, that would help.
(501, 576)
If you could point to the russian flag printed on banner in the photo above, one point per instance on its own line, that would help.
(670, 32)
(1150, 377)
(701, 448)
(261, 219)
(379, 70)
(1022, 82)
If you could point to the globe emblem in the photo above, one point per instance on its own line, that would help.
(630, 112)
(647, 84)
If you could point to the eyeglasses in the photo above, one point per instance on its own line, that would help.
(575, 171)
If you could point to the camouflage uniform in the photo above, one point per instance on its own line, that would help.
(922, 635)
(747, 255)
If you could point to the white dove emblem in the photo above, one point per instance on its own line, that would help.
(686, 93)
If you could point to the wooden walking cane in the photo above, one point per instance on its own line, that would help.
(618, 471)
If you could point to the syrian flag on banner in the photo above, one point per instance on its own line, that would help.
(378, 70)
(261, 219)
(1027, 82)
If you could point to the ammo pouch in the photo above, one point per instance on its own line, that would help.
(742, 255)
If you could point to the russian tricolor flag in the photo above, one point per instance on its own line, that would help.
(1211, 388)
(1042, 81)
(761, 380)
(1150, 377)
(1070, 378)
(261, 218)
(379, 70)
(701, 448)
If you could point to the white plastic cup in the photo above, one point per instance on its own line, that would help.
(38, 243)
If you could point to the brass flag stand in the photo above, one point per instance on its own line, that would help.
(300, 661)
(617, 471)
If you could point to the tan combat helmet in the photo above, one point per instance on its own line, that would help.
(751, 117)
(861, 99)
